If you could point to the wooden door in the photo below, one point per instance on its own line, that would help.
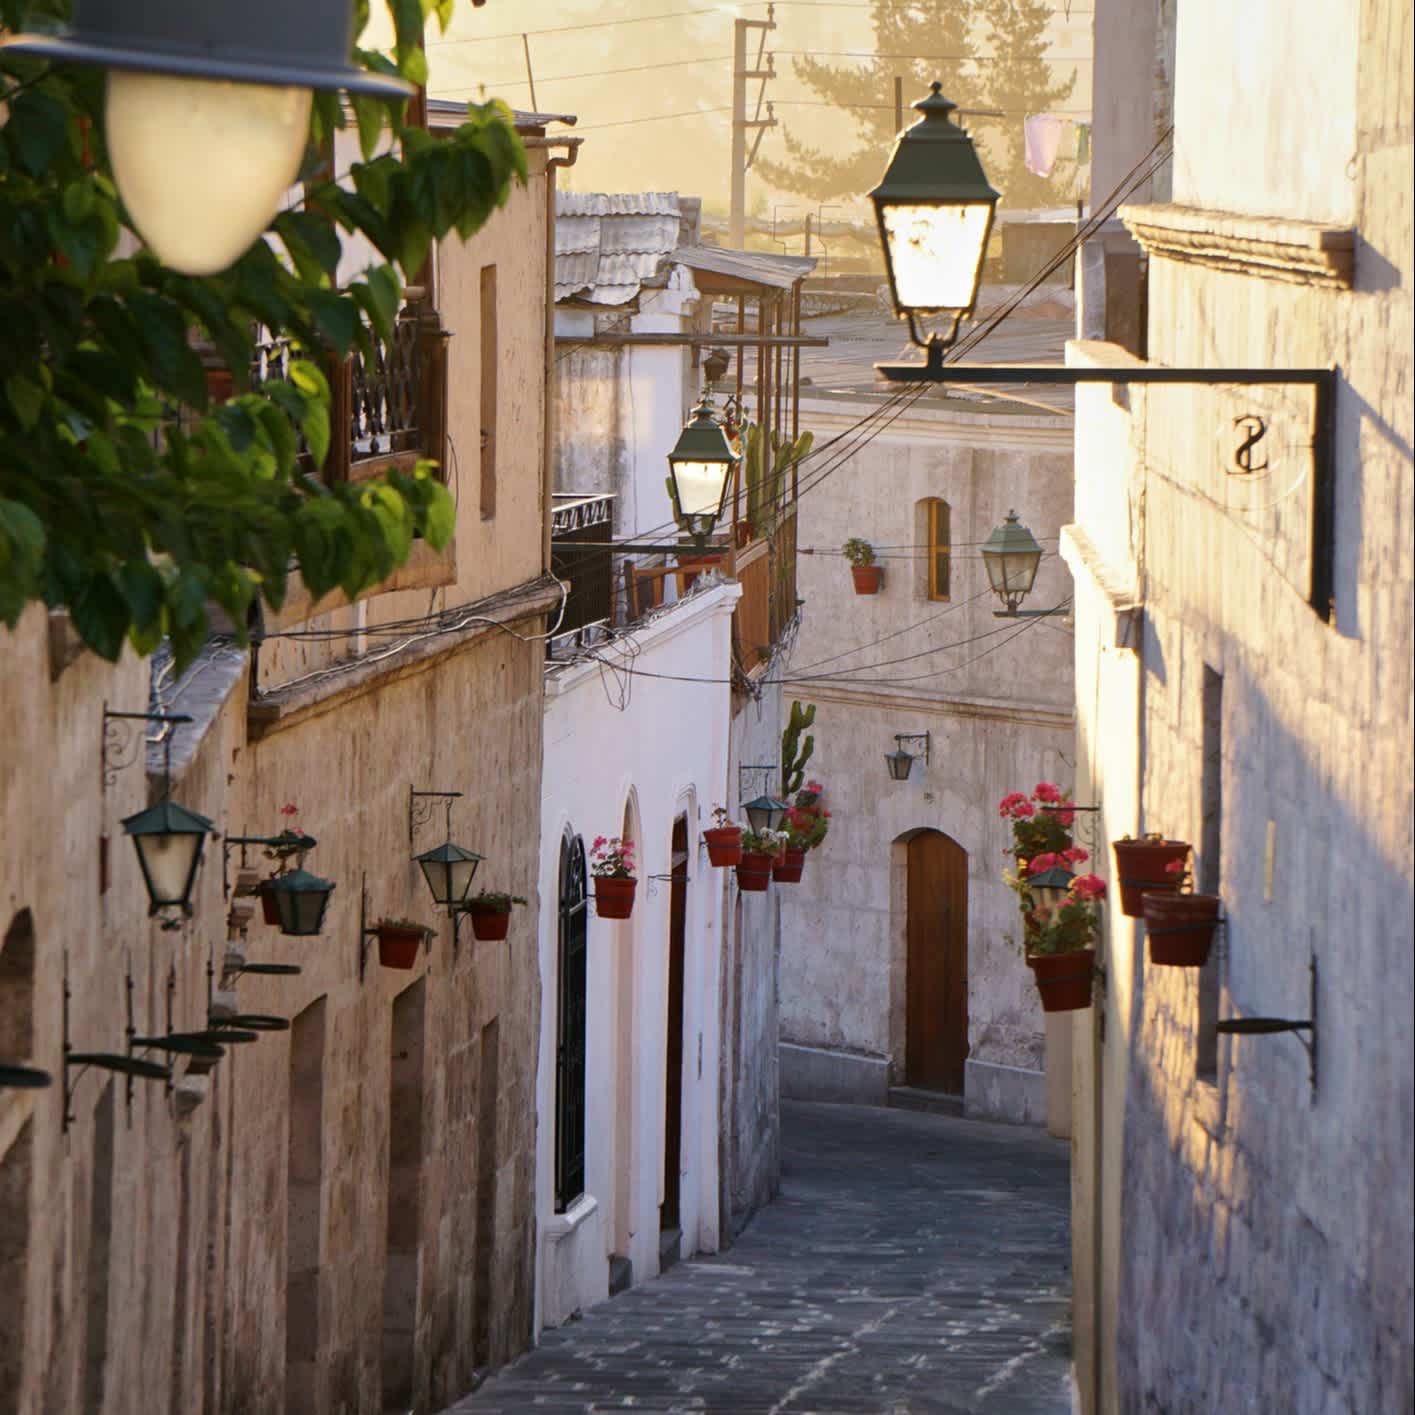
(936, 983)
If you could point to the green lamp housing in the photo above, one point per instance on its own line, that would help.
(765, 813)
(1011, 556)
(169, 840)
(1049, 887)
(301, 900)
(935, 211)
(449, 869)
(700, 466)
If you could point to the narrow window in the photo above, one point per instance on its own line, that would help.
(1208, 875)
(570, 1039)
(304, 1188)
(488, 391)
(940, 547)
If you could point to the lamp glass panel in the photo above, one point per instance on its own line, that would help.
(1012, 572)
(700, 487)
(438, 874)
(203, 165)
(459, 879)
(168, 863)
(900, 764)
(936, 252)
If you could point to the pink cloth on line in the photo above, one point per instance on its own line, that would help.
(1041, 133)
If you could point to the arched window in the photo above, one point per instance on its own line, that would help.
(938, 536)
(570, 1027)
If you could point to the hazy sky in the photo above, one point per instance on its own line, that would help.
(624, 79)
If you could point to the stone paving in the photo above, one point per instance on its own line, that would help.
(914, 1264)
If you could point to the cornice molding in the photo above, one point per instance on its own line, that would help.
(1268, 248)
(981, 709)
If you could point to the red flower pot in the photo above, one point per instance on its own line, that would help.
(1180, 928)
(489, 923)
(614, 897)
(754, 872)
(1142, 865)
(1063, 979)
(787, 870)
(724, 845)
(867, 578)
(398, 948)
(269, 912)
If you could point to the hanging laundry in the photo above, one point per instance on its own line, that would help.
(1041, 134)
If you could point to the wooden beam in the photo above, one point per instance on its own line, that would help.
(699, 340)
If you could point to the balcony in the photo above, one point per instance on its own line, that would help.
(393, 403)
(614, 588)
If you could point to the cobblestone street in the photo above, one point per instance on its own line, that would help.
(915, 1264)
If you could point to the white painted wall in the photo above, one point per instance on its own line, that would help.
(655, 747)
(998, 709)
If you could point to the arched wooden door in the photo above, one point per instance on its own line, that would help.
(936, 983)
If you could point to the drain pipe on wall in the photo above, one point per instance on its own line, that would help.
(571, 148)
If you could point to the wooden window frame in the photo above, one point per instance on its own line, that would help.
(940, 547)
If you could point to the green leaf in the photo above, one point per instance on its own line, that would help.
(337, 317)
(26, 397)
(38, 127)
(371, 115)
(101, 616)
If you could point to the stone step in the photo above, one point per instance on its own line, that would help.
(916, 1098)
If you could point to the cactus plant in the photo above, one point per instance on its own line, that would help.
(795, 753)
(766, 460)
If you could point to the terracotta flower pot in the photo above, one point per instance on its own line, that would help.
(788, 869)
(614, 897)
(1180, 928)
(724, 845)
(1063, 979)
(489, 923)
(398, 947)
(1141, 865)
(867, 578)
(269, 912)
(754, 872)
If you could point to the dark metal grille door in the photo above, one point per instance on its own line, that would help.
(570, 1039)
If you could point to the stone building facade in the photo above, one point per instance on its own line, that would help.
(869, 999)
(1242, 1211)
(339, 1215)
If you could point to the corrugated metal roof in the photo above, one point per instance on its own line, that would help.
(761, 268)
(608, 245)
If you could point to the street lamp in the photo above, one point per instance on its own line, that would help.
(765, 813)
(1049, 887)
(1011, 556)
(448, 870)
(935, 211)
(207, 115)
(900, 762)
(169, 840)
(700, 468)
(301, 899)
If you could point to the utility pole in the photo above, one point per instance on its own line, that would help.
(741, 158)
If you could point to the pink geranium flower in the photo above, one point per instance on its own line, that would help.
(1088, 887)
(1075, 855)
(1046, 791)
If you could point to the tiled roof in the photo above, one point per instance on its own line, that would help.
(608, 245)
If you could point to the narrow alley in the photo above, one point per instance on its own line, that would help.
(914, 1264)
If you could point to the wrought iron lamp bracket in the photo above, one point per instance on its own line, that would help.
(119, 744)
(244, 842)
(744, 767)
(1268, 1026)
(420, 810)
(925, 737)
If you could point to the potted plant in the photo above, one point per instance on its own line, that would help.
(1179, 925)
(1060, 945)
(399, 941)
(612, 866)
(760, 852)
(806, 825)
(724, 839)
(490, 912)
(863, 570)
(1142, 865)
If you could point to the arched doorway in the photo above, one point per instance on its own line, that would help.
(936, 977)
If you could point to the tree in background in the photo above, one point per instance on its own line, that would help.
(113, 507)
(986, 53)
